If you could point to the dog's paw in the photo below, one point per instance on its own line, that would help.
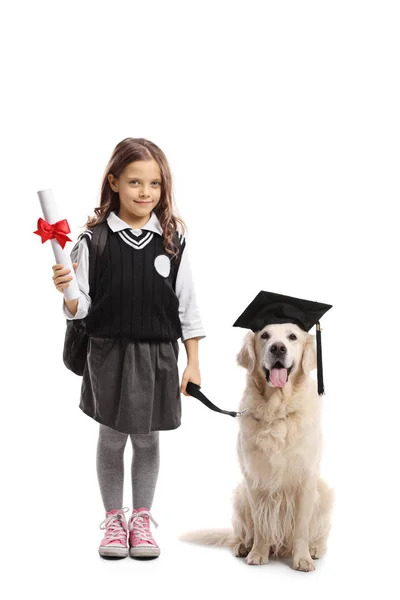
(317, 551)
(240, 550)
(303, 563)
(257, 558)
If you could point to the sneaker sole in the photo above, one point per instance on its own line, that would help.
(113, 552)
(144, 552)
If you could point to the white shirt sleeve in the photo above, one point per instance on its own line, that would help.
(189, 313)
(82, 277)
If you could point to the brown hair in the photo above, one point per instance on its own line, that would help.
(126, 152)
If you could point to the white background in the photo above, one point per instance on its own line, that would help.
(280, 121)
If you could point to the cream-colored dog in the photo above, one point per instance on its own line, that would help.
(282, 506)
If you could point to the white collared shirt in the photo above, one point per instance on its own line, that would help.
(189, 314)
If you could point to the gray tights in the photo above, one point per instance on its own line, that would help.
(144, 468)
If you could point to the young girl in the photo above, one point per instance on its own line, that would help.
(143, 301)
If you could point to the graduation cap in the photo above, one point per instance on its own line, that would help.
(268, 308)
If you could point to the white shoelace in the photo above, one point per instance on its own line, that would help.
(136, 522)
(115, 526)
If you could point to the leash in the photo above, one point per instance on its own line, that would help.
(194, 390)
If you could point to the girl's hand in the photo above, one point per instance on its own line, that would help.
(61, 278)
(191, 373)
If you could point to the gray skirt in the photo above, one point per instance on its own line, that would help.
(132, 386)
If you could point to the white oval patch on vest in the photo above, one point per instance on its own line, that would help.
(162, 265)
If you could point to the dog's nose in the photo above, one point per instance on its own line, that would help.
(278, 349)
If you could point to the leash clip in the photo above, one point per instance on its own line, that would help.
(242, 412)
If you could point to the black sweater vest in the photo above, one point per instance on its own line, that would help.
(134, 293)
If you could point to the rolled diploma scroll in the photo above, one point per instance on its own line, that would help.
(50, 213)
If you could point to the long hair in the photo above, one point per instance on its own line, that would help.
(127, 151)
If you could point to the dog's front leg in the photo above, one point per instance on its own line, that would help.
(259, 554)
(302, 560)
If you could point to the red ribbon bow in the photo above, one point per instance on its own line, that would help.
(56, 231)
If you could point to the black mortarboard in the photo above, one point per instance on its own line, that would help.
(268, 308)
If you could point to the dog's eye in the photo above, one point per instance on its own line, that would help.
(265, 335)
(292, 337)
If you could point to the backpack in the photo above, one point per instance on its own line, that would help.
(76, 339)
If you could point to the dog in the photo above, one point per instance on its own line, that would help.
(281, 507)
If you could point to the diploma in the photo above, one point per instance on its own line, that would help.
(55, 230)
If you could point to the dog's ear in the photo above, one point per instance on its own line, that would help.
(309, 359)
(247, 355)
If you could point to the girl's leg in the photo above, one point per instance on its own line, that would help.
(145, 467)
(110, 466)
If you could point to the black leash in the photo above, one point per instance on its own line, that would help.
(194, 390)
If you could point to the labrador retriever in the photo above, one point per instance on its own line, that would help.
(281, 507)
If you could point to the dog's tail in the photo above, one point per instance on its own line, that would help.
(210, 537)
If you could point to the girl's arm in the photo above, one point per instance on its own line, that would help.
(192, 371)
(192, 351)
(78, 309)
(71, 305)
(189, 314)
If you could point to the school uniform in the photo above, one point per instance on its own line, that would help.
(143, 301)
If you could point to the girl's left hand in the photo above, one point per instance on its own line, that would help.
(191, 373)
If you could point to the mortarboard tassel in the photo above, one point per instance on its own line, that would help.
(320, 375)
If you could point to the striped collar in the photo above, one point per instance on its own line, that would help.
(117, 224)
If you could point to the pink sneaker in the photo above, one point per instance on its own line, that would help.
(142, 544)
(114, 543)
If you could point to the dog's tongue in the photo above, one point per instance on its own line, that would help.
(278, 377)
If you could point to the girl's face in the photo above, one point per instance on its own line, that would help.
(139, 189)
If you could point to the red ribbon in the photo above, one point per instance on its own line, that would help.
(53, 231)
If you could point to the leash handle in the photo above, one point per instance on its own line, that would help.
(194, 390)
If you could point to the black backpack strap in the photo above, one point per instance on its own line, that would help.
(194, 390)
(180, 241)
(96, 244)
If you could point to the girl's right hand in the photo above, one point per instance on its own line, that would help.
(61, 278)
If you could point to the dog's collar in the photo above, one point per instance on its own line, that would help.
(247, 413)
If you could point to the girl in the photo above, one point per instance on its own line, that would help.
(142, 302)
